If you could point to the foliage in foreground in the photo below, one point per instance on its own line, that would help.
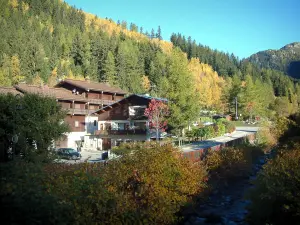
(230, 164)
(35, 119)
(276, 197)
(147, 186)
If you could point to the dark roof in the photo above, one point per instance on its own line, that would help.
(150, 97)
(11, 90)
(95, 86)
(58, 93)
(130, 96)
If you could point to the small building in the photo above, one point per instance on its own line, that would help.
(122, 121)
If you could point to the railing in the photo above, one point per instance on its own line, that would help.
(119, 132)
(101, 101)
(81, 111)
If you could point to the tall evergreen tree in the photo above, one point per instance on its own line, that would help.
(109, 69)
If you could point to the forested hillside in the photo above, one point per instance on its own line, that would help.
(44, 41)
(286, 59)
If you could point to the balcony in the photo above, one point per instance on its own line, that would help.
(120, 132)
(80, 111)
(101, 101)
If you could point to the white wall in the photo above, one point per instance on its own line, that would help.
(74, 136)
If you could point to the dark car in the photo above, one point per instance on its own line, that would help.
(68, 153)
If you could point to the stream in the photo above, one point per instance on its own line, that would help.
(228, 205)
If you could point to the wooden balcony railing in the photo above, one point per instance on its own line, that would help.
(119, 132)
(80, 111)
(101, 101)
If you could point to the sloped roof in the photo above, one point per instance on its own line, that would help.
(150, 97)
(130, 96)
(11, 90)
(58, 93)
(95, 86)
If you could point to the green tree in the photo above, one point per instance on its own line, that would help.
(4, 80)
(180, 91)
(38, 121)
(109, 69)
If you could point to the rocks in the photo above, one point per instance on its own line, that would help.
(226, 205)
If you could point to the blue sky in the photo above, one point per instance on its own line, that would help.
(242, 27)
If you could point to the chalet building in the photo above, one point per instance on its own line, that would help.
(122, 121)
(81, 99)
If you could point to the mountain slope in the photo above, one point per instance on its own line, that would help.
(286, 59)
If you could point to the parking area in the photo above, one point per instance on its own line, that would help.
(91, 157)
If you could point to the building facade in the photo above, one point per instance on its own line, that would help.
(122, 121)
(81, 99)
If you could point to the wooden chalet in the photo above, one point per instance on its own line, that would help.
(81, 99)
(122, 121)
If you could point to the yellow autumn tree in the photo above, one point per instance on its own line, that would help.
(37, 80)
(14, 3)
(146, 83)
(16, 76)
(53, 78)
(208, 84)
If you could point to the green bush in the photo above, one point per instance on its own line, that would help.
(24, 198)
(276, 196)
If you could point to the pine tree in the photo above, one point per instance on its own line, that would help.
(152, 35)
(158, 33)
(109, 69)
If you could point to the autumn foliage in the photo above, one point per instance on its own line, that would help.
(275, 198)
(157, 112)
(147, 186)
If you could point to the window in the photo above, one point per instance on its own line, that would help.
(95, 123)
(76, 123)
(121, 126)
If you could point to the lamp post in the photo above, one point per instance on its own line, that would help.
(236, 108)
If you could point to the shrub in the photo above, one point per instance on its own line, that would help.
(147, 184)
(24, 198)
(276, 196)
(229, 164)
(152, 184)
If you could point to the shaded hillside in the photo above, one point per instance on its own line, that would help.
(286, 59)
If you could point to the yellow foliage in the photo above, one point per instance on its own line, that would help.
(111, 27)
(14, 3)
(37, 80)
(70, 75)
(16, 76)
(53, 78)
(158, 188)
(25, 7)
(146, 83)
(208, 84)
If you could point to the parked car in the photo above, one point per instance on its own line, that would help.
(68, 153)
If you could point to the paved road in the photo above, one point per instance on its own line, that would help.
(240, 132)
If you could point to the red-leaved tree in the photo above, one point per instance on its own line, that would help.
(157, 112)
